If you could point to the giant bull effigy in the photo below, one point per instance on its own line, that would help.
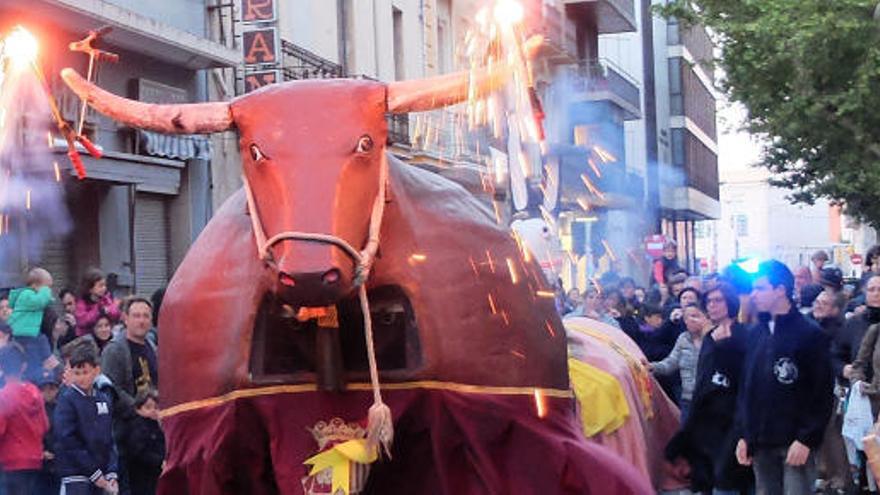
(266, 375)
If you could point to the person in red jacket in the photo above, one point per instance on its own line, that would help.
(23, 423)
(94, 302)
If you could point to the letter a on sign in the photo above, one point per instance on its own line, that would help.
(258, 10)
(259, 46)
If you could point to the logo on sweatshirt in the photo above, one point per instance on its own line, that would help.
(720, 379)
(785, 370)
(102, 408)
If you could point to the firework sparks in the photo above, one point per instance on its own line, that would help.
(514, 278)
(497, 40)
(508, 12)
(592, 187)
(603, 154)
(492, 307)
(21, 48)
(540, 403)
(416, 257)
(550, 330)
(27, 199)
(595, 168)
(551, 222)
(526, 254)
(545, 294)
(584, 204)
(57, 171)
(608, 250)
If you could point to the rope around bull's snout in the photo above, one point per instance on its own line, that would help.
(380, 423)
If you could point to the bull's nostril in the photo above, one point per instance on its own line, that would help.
(331, 277)
(286, 279)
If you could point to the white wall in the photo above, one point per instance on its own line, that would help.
(311, 24)
(314, 25)
(776, 228)
(625, 51)
(371, 46)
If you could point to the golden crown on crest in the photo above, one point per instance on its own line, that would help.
(336, 431)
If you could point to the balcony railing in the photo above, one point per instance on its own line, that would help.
(601, 79)
(695, 38)
(299, 63)
(612, 16)
(559, 32)
(398, 129)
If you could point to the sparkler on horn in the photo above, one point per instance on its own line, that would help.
(86, 45)
(21, 48)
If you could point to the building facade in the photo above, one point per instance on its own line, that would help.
(146, 200)
(684, 105)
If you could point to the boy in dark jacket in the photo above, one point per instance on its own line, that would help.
(84, 452)
(785, 400)
(48, 482)
(145, 445)
(23, 423)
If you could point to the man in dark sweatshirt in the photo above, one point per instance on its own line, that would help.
(785, 400)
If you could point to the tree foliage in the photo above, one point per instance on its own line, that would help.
(808, 72)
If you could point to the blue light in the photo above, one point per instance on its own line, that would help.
(750, 265)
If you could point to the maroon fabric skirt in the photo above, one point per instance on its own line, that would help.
(449, 439)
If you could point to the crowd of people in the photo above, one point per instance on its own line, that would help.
(78, 390)
(762, 361)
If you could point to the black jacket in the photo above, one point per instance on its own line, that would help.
(707, 438)
(787, 386)
(83, 435)
(145, 443)
(145, 451)
(831, 326)
(845, 345)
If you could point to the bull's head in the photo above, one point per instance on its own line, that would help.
(312, 153)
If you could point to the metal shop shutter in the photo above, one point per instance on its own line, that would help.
(151, 240)
(56, 258)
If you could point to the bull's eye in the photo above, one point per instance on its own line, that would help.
(256, 154)
(365, 144)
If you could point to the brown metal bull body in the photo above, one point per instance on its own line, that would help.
(476, 375)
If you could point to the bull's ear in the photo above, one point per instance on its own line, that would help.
(421, 95)
(192, 118)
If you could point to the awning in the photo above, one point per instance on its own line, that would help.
(178, 147)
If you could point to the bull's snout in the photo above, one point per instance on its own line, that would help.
(328, 279)
(312, 274)
(319, 288)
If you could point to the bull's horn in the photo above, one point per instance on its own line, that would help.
(421, 95)
(192, 118)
